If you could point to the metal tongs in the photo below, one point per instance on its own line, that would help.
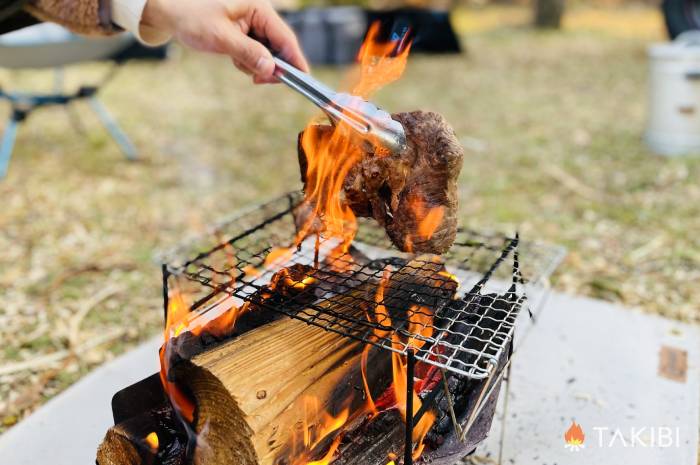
(364, 118)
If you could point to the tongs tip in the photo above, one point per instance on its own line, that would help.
(365, 118)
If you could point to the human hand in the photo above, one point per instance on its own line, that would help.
(223, 26)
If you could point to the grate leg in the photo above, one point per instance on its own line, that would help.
(113, 128)
(504, 417)
(410, 368)
(8, 143)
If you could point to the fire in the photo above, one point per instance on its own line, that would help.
(330, 157)
(251, 272)
(177, 314)
(316, 426)
(423, 426)
(152, 440)
(427, 220)
(574, 436)
(380, 310)
(381, 63)
(420, 322)
(278, 256)
(179, 319)
(339, 260)
(449, 276)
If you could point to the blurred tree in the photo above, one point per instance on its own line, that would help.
(548, 13)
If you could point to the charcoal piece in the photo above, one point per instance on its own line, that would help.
(130, 442)
(413, 194)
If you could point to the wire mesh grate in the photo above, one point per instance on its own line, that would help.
(457, 312)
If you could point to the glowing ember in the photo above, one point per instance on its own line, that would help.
(152, 440)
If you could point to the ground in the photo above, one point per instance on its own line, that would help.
(552, 124)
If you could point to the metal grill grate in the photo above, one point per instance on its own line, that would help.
(466, 335)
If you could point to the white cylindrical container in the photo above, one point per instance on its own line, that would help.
(673, 126)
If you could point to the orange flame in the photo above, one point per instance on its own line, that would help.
(423, 426)
(278, 256)
(251, 272)
(427, 220)
(318, 425)
(152, 440)
(330, 157)
(339, 260)
(176, 317)
(420, 322)
(380, 310)
(574, 435)
(377, 65)
(179, 319)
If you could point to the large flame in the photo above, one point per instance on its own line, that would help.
(175, 323)
(419, 323)
(330, 158)
(423, 426)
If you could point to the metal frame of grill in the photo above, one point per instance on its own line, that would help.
(470, 337)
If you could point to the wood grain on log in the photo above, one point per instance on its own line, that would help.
(253, 393)
(258, 393)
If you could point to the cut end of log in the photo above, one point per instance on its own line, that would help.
(117, 448)
(223, 434)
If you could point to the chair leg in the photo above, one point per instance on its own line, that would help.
(7, 144)
(113, 128)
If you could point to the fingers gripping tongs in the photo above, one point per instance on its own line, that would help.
(364, 118)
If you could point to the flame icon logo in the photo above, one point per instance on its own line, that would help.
(574, 437)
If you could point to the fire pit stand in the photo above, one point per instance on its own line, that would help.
(467, 340)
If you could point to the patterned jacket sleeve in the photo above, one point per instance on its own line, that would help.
(90, 17)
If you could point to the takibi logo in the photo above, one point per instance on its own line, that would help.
(574, 437)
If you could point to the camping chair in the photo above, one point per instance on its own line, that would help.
(51, 46)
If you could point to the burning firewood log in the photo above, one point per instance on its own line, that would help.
(256, 394)
(412, 194)
(283, 390)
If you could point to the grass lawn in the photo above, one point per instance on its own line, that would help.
(552, 126)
